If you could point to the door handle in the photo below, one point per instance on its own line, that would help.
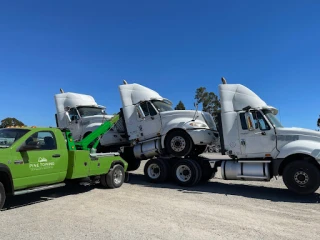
(56, 155)
(18, 161)
(263, 133)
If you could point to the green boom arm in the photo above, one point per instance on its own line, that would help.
(93, 137)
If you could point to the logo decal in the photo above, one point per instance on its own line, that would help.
(41, 164)
(287, 138)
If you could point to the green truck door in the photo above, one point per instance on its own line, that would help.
(42, 163)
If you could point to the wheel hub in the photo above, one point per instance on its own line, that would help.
(117, 176)
(154, 171)
(301, 177)
(178, 143)
(183, 173)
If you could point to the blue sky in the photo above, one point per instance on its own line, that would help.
(173, 47)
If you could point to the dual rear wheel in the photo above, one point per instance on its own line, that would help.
(114, 178)
(185, 172)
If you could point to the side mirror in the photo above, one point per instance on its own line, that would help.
(250, 121)
(140, 112)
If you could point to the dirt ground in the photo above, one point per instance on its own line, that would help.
(139, 210)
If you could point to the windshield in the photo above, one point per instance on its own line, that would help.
(9, 136)
(272, 118)
(90, 111)
(162, 106)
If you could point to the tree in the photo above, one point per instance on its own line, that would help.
(180, 106)
(209, 100)
(10, 122)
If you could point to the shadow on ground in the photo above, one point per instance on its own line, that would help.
(229, 189)
(13, 202)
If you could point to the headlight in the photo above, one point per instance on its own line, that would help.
(198, 124)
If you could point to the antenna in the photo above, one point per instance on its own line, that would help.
(194, 117)
(224, 81)
(125, 82)
(61, 90)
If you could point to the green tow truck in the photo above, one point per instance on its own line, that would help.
(34, 159)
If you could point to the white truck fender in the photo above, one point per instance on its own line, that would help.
(176, 123)
(307, 147)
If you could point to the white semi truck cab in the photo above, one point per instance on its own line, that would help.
(259, 147)
(155, 128)
(82, 115)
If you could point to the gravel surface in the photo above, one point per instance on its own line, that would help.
(138, 210)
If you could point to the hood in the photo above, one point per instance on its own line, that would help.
(188, 115)
(298, 134)
(182, 113)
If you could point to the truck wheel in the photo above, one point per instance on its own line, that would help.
(199, 171)
(114, 178)
(2, 195)
(156, 170)
(207, 172)
(185, 172)
(126, 177)
(301, 177)
(178, 143)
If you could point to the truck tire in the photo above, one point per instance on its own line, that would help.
(185, 173)
(156, 170)
(207, 172)
(199, 171)
(178, 143)
(114, 178)
(2, 195)
(301, 177)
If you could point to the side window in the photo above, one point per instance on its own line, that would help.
(152, 111)
(259, 121)
(263, 125)
(243, 121)
(73, 114)
(45, 140)
(144, 108)
(148, 109)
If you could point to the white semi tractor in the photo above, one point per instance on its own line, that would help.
(148, 126)
(259, 147)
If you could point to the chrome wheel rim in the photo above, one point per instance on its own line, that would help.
(154, 171)
(117, 176)
(183, 173)
(178, 143)
(301, 178)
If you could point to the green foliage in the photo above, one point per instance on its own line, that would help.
(180, 106)
(10, 122)
(209, 100)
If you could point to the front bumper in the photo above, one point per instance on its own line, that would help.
(203, 136)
